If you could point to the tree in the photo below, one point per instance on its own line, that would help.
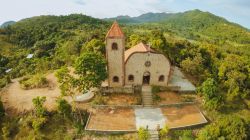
(234, 74)
(90, 71)
(134, 39)
(68, 84)
(226, 127)
(158, 41)
(209, 90)
(39, 109)
(91, 68)
(193, 66)
(95, 45)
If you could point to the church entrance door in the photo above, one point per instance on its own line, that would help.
(146, 78)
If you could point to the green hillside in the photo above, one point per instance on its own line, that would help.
(54, 41)
(194, 24)
(212, 52)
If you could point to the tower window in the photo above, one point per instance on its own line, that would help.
(115, 79)
(161, 78)
(114, 46)
(131, 78)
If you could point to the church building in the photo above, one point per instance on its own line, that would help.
(139, 65)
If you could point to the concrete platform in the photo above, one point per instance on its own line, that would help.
(149, 117)
(130, 120)
(178, 80)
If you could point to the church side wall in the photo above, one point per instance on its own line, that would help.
(135, 66)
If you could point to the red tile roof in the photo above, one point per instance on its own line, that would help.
(137, 48)
(115, 31)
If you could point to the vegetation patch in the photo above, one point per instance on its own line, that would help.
(34, 81)
(117, 99)
(4, 81)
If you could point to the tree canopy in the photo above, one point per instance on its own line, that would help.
(91, 68)
(227, 127)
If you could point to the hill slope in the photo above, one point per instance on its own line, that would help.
(28, 31)
(194, 23)
(148, 17)
(7, 23)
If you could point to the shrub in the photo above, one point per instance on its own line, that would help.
(4, 81)
(187, 98)
(156, 98)
(1, 109)
(39, 109)
(183, 134)
(6, 132)
(99, 100)
(35, 81)
(155, 89)
(143, 134)
(9, 128)
(164, 131)
(63, 107)
(38, 123)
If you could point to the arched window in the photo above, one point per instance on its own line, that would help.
(114, 46)
(131, 78)
(161, 78)
(115, 79)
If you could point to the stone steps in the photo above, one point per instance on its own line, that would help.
(147, 99)
(154, 135)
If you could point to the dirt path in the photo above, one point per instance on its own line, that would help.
(15, 98)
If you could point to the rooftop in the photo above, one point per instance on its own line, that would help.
(115, 31)
(138, 48)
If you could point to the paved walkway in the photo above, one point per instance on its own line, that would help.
(151, 117)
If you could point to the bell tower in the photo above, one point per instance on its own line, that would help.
(115, 47)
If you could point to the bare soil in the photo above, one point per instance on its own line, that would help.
(18, 100)
(112, 119)
(169, 97)
(183, 116)
(122, 99)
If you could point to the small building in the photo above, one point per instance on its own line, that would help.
(139, 65)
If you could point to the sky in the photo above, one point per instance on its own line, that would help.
(237, 11)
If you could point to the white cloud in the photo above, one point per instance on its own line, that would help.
(111, 8)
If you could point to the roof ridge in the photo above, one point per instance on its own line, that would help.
(146, 47)
(139, 48)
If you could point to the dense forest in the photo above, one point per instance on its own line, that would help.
(214, 52)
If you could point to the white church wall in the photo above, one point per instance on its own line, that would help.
(135, 66)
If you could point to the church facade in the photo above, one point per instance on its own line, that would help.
(139, 65)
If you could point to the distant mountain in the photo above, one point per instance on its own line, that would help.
(148, 17)
(193, 22)
(5, 24)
